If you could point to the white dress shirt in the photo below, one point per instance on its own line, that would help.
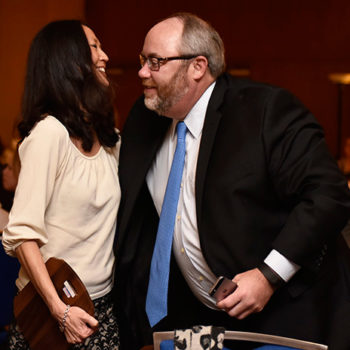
(186, 243)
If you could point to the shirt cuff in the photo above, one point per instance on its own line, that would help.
(285, 268)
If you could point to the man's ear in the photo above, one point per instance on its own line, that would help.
(199, 67)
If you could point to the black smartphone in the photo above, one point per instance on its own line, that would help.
(222, 287)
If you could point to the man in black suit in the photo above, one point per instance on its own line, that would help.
(262, 201)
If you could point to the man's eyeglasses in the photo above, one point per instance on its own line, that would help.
(154, 63)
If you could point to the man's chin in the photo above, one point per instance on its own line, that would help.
(152, 104)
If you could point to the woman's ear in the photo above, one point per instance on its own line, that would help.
(199, 67)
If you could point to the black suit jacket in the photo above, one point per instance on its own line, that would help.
(265, 180)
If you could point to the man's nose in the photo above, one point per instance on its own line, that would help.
(144, 71)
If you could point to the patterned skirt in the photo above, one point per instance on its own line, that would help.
(107, 337)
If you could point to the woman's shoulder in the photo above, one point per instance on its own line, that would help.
(118, 132)
(116, 148)
(117, 145)
(48, 132)
(51, 125)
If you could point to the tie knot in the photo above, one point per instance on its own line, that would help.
(181, 130)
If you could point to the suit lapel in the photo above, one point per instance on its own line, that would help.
(210, 126)
(139, 149)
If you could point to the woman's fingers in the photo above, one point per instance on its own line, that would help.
(79, 325)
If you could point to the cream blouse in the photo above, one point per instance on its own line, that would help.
(67, 202)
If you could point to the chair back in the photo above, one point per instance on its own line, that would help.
(288, 343)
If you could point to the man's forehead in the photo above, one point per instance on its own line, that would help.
(169, 24)
(164, 36)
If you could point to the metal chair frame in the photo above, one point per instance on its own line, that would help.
(158, 337)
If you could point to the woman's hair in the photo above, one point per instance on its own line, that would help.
(61, 81)
(200, 38)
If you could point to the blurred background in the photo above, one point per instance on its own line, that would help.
(296, 44)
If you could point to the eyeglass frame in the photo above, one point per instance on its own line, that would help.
(161, 61)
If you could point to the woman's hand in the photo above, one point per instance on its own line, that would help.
(78, 325)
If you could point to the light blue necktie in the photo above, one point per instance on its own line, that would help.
(157, 294)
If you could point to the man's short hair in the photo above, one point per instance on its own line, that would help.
(200, 38)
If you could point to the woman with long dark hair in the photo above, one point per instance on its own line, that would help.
(68, 192)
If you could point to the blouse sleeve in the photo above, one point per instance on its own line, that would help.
(42, 155)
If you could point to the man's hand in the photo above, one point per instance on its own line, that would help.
(252, 294)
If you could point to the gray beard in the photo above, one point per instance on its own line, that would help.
(169, 94)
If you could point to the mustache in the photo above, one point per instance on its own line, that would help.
(148, 83)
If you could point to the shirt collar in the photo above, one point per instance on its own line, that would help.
(195, 118)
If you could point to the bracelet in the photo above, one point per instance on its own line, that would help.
(62, 326)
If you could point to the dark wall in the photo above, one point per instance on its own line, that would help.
(19, 22)
(292, 43)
